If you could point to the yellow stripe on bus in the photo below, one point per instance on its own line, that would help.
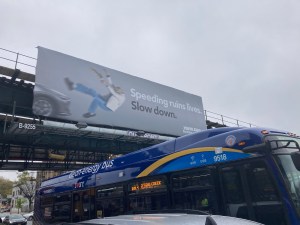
(175, 155)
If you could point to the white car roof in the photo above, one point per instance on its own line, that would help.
(168, 219)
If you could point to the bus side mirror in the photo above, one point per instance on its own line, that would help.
(210, 221)
(258, 148)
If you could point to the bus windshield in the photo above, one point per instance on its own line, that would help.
(288, 160)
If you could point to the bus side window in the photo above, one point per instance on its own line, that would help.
(194, 190)
(235, 202)
(46, 208)
(110, 200)
(267, 205)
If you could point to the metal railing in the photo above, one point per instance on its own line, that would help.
(17, 60)
(225, 120)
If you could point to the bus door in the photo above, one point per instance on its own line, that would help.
(83, 205)
(249, 192)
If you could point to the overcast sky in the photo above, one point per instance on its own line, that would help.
(241, 57)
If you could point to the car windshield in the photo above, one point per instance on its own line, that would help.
(16, 216)
(288, 159)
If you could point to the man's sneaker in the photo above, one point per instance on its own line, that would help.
(88, 115)
(69, 84)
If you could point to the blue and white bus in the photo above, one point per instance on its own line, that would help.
(251, 173)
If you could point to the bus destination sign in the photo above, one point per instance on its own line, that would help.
(147, 185)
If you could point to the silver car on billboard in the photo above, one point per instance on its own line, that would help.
(49, 102)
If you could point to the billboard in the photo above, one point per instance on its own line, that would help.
(77, 90)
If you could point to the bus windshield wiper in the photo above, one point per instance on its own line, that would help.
(280, 144)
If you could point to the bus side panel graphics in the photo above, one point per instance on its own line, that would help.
(123, 173)
(69, 185)
(191, 158)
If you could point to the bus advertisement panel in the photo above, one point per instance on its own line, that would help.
(73, 89)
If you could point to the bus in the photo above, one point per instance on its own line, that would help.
(250, 173)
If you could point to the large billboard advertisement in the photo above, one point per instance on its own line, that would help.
(77, 90)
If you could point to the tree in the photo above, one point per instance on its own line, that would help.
(27, 184)
(6, 187)
(19, 203)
